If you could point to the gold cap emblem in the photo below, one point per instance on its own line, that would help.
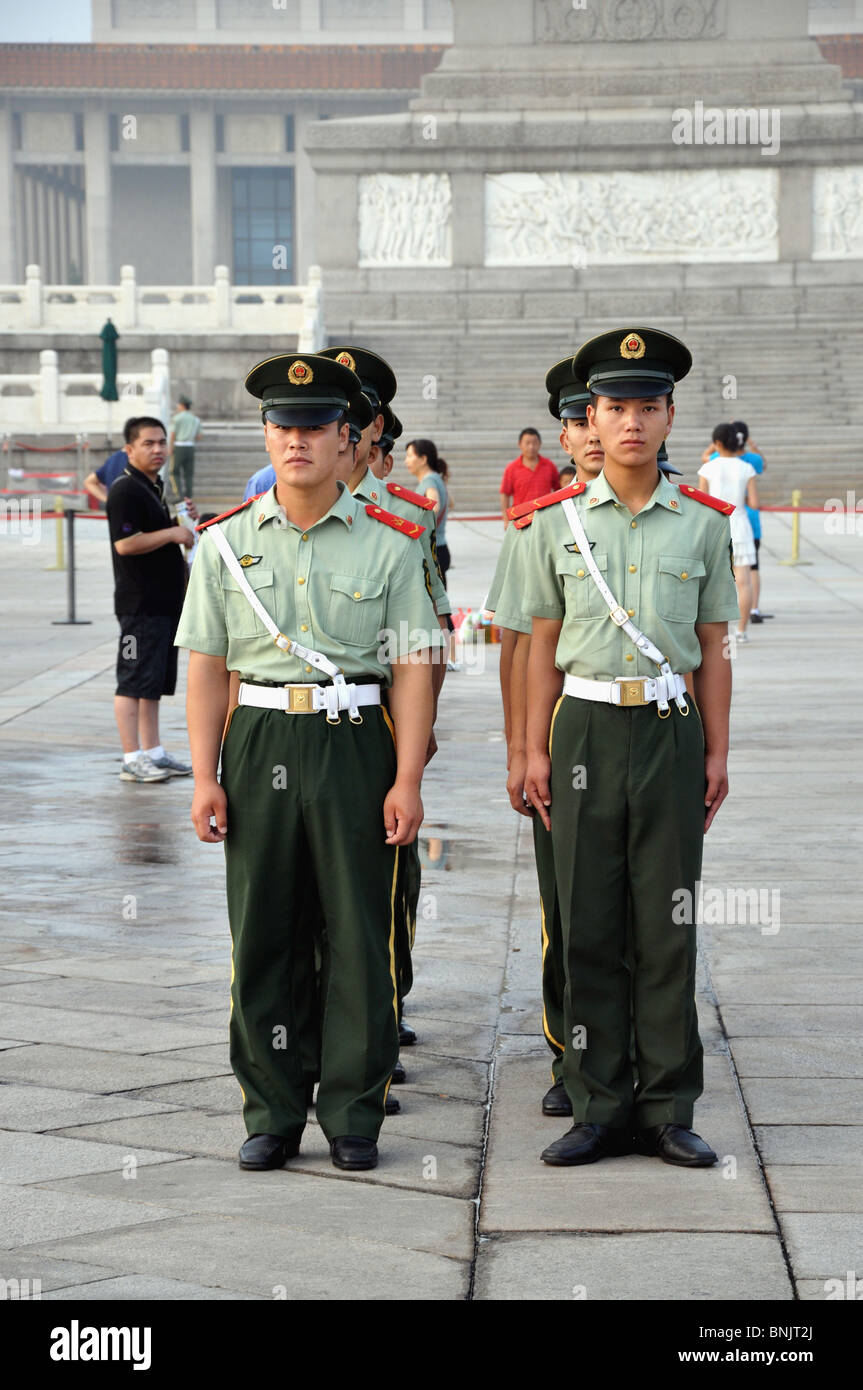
(300, 374)
(347, 360)
(632, 347)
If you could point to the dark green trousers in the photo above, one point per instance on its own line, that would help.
(305, 807)
(636, 827)
(553, 975)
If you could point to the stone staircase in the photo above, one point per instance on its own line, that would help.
(472, 391)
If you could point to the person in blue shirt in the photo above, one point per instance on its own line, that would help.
(260, 482)
(98, 482)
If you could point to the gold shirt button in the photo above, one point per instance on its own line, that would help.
(308, 668)
(684, 575)
(581, 574)
(301, 581)
(304, 537)
(634, 525)
(629, 656)
(630, 612)
(304, 627)
(632, 570)
(357, 594)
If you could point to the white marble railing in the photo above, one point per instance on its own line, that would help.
(220, 307)
(58, 401)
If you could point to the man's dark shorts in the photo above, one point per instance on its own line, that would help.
(147, 657)
(757, 548)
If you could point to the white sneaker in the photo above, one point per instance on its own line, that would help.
(143, 769)
(172, 766)
(741, 637)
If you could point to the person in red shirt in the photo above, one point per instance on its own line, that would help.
(529, 476)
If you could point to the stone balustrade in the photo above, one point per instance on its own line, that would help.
(52, 401)
(176, 309)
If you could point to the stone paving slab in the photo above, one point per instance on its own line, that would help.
(45, 1107)
(659, 1266)
(621, 1194)
(52, 1274)
(104, 996)
(819, 1187)
(113, 1033)
(87, 1069)
(291, 1198)
(254, 1257)
(138, 1287)
(35, 1214)
(778, 1020)
(130, 970)
(33, 1158)
(823, 1245)
(807, 1100)
(836, 1143)
(799, 1057)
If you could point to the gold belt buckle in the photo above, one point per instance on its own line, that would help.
(632, 692)
(300, 699)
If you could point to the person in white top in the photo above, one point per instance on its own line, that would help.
(733, 479)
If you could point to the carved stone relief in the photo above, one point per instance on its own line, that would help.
(405, 220)
(628, 20)
(686, 216)
(838, 211)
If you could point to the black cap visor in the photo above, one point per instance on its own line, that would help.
(301, 416)
(631, 386)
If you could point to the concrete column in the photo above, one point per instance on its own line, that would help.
(468, 218)
(204, 209)
(310, 14)
(97, 167)
(796, 213)
(205, 18)
(481, 22)
(305, 249)
(9, 272)
(49, 375)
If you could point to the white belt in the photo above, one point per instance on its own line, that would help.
(637, 690)
(312, 699)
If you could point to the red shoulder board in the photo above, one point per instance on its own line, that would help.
(242, 507)
(398, 523)
(520, 522)
(715, 502)
(538, 502)
(396, 490)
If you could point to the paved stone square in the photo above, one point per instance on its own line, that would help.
(119, 1116)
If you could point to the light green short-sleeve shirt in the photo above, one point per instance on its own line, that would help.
(510, 537)
(349, 587)
(371, 489)
(511, 611)
(185, 426)
(669, 567)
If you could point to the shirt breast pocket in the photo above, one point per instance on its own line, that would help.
(679, 589)
(240, 617)
(355, 610)
(583, 599)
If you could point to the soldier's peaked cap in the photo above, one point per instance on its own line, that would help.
(568, 396)
(393, 429)
(632, 362)
(360, 415)
(377, 376)
(302, 388)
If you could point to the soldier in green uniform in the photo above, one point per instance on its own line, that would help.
(379, 386)
(319, 785)
(631, 591)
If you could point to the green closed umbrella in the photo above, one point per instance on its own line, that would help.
(109, 336)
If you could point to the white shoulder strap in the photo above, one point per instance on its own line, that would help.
(285, 644)
(617, 613)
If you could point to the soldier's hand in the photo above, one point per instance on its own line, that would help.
(432, 748)
(716, 790)
(209, 802)
(537, 786)
(403, 814)
(515, 784)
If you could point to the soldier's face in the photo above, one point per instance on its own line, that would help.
(582, 443)
(306, 455)
(631, 430)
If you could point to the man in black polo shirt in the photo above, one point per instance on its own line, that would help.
(149, 586)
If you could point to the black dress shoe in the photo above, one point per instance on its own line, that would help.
(263, 1151)
(407, 1036)
(585, 1143)
(676, 1144)
(399, 1075)
(351, 1152)
(392, 1105)
(556, 1101)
